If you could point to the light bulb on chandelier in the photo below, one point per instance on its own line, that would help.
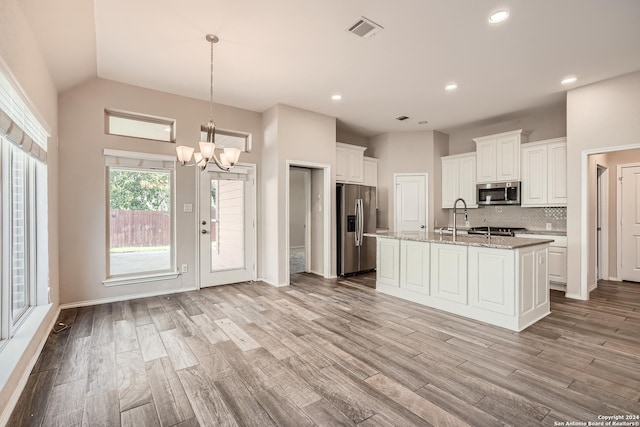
(228, 157)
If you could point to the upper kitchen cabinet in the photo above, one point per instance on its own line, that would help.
(544, 173)
(371, 172)
(350, 163)
(459, 179)
(498, 156)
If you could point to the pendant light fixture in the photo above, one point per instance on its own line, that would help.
(228, 156)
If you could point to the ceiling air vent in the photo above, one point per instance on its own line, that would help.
(364, 28)
(402, 118)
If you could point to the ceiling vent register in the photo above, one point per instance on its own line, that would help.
(365, 28)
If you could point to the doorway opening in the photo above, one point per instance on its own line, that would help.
(308, 219)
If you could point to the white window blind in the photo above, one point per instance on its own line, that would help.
(132, 159)
(18, 124)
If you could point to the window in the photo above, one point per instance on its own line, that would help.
(139, 215)
(140, 126)
(23, 198)
(230, 139)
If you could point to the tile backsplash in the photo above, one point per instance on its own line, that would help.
(515, 216)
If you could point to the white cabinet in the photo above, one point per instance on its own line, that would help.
(534, 289)
(544, 173)
(350, 163)
(498, 156)
(459, 179)
(449, 272)
(492, 284)
(557, 259)
(388, 262)
(371, 172)
(414, 266)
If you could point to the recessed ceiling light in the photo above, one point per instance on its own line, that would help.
(336, 97)
(499, 16)
(451, 86)
(569, 80)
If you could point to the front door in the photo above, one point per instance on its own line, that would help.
(227, 221)
(411, 202)
(630, 220)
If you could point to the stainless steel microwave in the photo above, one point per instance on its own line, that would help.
(499, 193)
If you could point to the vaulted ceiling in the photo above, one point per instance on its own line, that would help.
(300, 53)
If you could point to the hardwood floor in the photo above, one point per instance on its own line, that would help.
(332, 353)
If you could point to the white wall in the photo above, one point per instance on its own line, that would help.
(409, 152)
(83, 249)
(599, 116)
(23, 59)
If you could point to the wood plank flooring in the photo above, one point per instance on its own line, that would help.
(332, 353)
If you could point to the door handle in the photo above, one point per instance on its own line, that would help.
(204, 231)
(422, 226)
(204, 222)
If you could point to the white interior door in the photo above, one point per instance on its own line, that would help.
(630, 224)
(411, 202)
(227, 221)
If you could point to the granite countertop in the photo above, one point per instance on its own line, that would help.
(496, 242)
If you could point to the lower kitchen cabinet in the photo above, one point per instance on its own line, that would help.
(492, 283)
(449, 272)
(414, 266)
(557, 262)
(388, 262)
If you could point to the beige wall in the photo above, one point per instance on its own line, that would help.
(409, 152)
(22, 58)
(294, 136)
(545, 123)
(599, 116)
(297, 206)
(83, 249)
(351, 138)
(317, 221)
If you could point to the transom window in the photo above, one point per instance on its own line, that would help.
(138, 125)
(230, 139)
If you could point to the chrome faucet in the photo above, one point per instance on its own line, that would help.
(455, 215)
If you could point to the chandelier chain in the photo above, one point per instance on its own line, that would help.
(211, 86)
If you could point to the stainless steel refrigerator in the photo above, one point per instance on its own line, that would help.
(356, 209)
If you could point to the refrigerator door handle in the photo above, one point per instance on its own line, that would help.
(360, 220)
(356, 234)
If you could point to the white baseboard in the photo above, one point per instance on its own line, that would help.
(15, 396)
(575, 296)
(592, 287)
(124, 298)
(270, 283)
(615, 279)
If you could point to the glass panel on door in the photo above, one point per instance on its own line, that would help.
(226, 225)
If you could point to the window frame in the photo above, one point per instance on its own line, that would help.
(143, 118)
(144, 276)
(228, 132)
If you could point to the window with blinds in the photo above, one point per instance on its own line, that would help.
(23, 190)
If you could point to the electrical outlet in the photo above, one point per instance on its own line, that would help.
(548, 226)
(185, 268)
(467, 224)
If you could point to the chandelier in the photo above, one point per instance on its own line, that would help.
(228, 157)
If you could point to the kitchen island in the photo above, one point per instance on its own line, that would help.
(503, 281)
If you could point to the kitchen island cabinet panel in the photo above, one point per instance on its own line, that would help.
(388, 262)
(414, 259)
(492, 279)
(449, 272)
